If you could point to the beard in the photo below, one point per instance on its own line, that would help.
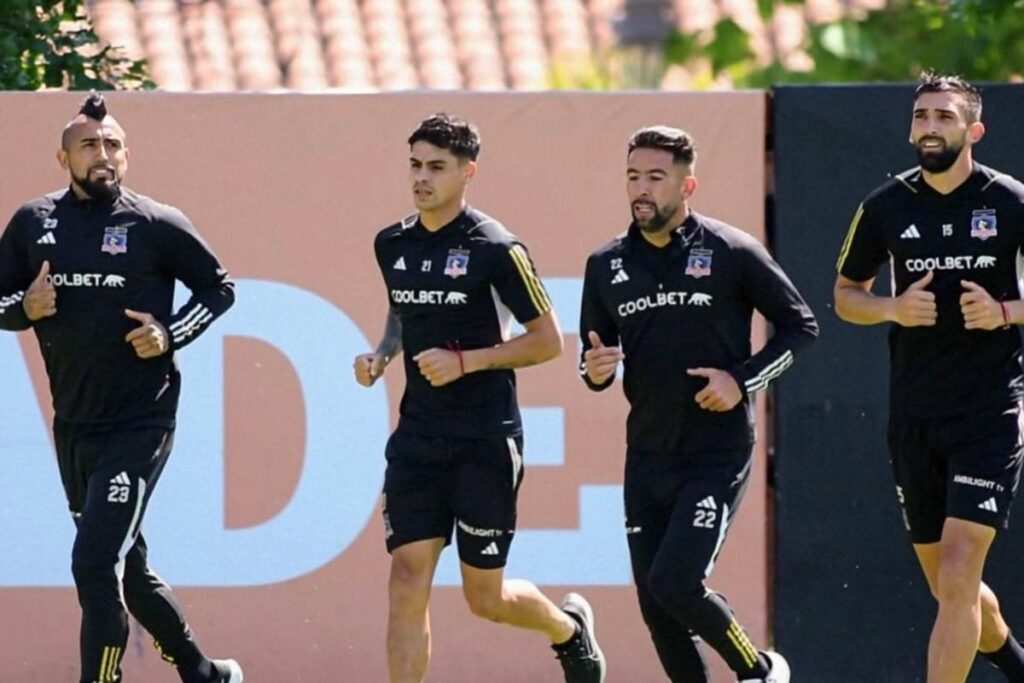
(941, 160)
(100, 190)
(659, 219)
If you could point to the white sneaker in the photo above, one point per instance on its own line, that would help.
(778, 671)
(231, 672)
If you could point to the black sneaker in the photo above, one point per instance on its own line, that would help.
(229, 670)
(581, 658)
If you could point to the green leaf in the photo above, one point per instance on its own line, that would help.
(680, 47)
(730, 46)
(37, 49)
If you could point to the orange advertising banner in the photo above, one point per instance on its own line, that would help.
(266, 521)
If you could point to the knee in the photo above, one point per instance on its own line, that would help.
(409, 583)
(933, 586)
(483, 603)
(95, 580)
(678, 593)
(653, 614)
(958, 580)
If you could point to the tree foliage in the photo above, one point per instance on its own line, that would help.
(980, 39)
(51, 44)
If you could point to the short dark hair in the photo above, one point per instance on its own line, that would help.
(674, 140)
(931, 81)
(458, 136)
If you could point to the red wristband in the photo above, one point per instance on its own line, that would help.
(1006, 314)
(454, 348)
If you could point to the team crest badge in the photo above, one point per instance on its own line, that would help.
(698, 264)
(115, 240)
(983, 223)
(457, 264)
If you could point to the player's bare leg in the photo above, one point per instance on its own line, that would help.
(956, 634)
(994, 629)
(412, 573)
(515, 602)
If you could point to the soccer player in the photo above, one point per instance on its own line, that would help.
(952, 230)
(672, 299)
(455, 277)
(91, 269)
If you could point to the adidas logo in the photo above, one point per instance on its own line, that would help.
(708, 503)
(48, 238)
(989, 505)
(399, 264)
(620, 277)
(911, 233)
(121, 479)
(491, 549)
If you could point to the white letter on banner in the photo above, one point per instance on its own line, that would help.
(36, 530)
(342, 472)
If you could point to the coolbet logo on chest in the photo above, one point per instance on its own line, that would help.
(919, 265)
(664, 299)
(428, 296)
(85, 280)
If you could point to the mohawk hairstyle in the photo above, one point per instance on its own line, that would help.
(94, 107)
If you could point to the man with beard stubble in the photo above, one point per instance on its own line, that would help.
(91, 270)
(672, 299)
(952, 230)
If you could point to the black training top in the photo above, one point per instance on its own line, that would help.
(973, 233)
(689, 305)
(106, 257)
(458, 287)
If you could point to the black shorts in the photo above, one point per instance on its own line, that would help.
(433, 485)
(679, 508)
(966, 467)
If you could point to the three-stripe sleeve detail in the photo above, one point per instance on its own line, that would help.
(538, 296)
(192, 323)
(8, 301)
(770, 372)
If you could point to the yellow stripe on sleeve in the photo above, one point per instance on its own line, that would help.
(538, 296)
(844, 252)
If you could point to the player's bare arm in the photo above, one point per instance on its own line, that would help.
(370, 366)
(541, 342)
(913, 308)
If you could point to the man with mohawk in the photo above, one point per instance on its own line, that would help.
(91, 269)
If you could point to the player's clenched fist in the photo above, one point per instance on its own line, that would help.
(440, 366)
(368, 367)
